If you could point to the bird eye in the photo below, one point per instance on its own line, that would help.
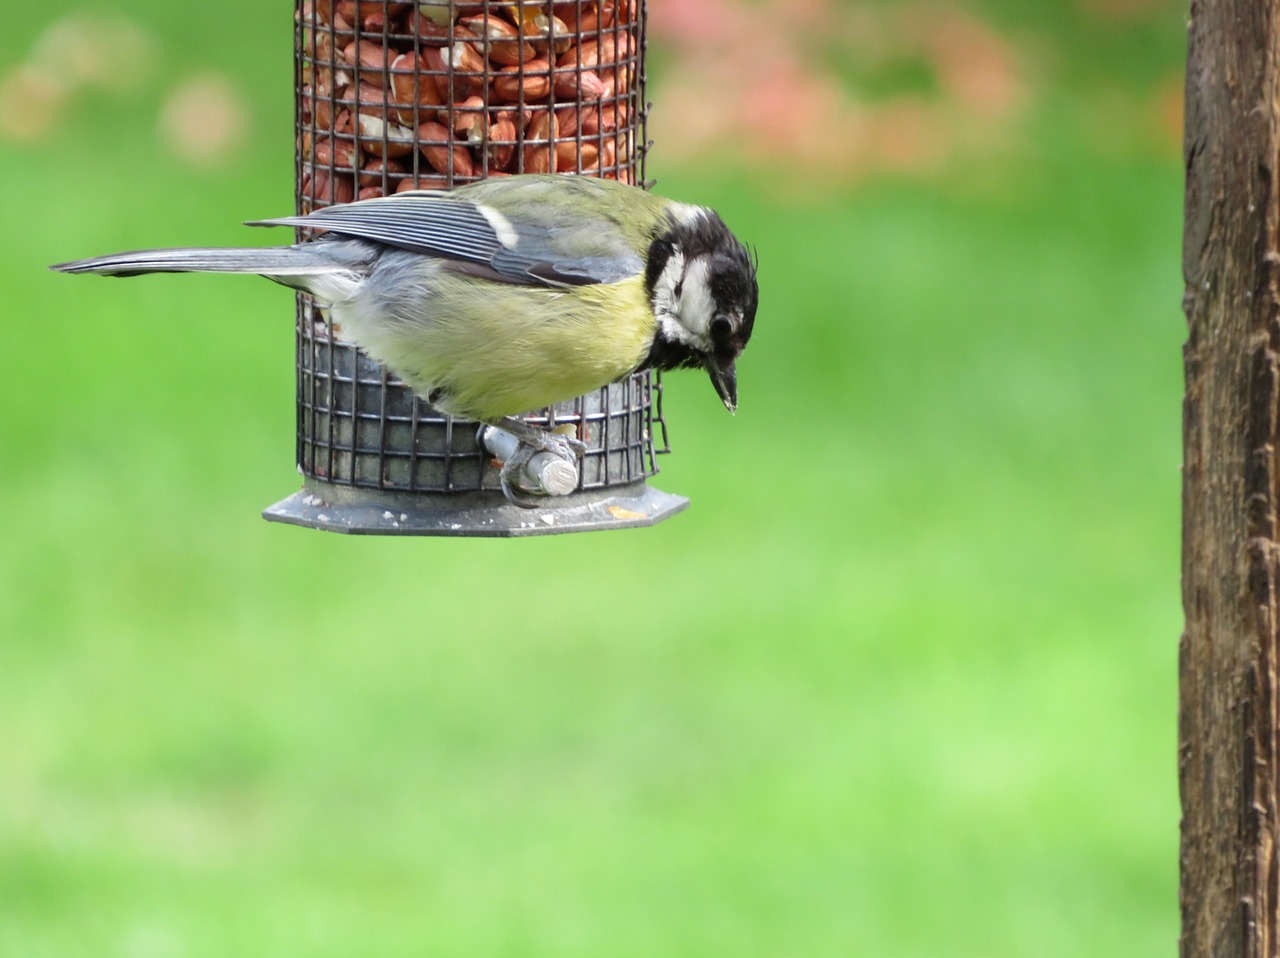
(721, 328)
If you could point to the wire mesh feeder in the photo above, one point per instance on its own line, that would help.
(392, 96)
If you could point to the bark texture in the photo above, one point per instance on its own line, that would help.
(1227, 748)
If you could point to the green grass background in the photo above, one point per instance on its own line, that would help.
(900, 683)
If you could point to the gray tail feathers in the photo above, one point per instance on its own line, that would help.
(270, 261)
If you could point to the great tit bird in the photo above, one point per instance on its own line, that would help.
(510, 294)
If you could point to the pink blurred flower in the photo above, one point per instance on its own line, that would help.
(755, 81)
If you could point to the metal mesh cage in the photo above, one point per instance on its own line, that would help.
(393, 96)
(360, 427)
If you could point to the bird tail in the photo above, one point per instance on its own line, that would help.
(270, 261)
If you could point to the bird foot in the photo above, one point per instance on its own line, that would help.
(558, 476)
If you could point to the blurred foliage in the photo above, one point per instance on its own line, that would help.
(901, 682)
(825, 89)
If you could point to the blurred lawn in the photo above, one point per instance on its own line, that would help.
(901, 682)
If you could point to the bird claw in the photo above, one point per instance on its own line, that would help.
(531, 442)
(513, 467)
(568, 448)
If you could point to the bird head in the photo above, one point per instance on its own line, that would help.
(702, 283)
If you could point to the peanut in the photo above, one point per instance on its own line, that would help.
(539, 152)
(417, 96)
(436, 143)
(478, 89)
(500, 40)
(532, 83)
(424, 181)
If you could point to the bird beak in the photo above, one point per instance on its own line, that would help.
(725, 379)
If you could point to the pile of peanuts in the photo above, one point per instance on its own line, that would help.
(427, 95)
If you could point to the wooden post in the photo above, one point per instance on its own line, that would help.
(1227, 716)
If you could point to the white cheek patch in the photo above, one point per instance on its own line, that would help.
(664, 290)
(697, 306)
(506, 233)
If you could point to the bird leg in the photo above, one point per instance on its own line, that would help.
(532, 441)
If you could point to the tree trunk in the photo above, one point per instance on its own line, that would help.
(1227, 717)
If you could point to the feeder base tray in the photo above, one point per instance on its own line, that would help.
(358, 511)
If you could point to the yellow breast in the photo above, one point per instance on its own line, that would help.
(499, 350)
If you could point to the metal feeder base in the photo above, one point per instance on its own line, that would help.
(357, 511)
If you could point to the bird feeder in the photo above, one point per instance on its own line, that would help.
(393, 96)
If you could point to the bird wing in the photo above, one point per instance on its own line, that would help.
(453, 227)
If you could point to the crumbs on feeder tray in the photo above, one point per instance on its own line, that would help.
(399, 96)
